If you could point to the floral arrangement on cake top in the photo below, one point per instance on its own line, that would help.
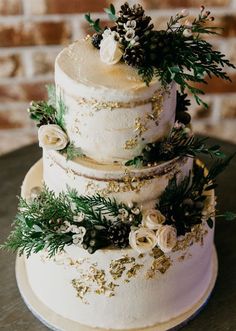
(179, 53)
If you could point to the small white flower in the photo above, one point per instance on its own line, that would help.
(130, 34)
(188, 24)
(142, 240)
(110, 48)
(51, 136)
(178, 126)
(153, 219)
(187, 33)
(136, 211)
(166, 238)
(78, 236)
(123, 214)
(79, 218)
(64, 228)
(184, 12)
(130, 25)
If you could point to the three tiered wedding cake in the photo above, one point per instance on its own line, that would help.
(116, 221)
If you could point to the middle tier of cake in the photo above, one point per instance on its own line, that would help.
(125, 184)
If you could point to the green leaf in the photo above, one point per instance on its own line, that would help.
(229, 216)
(72, 152)
(37, 228)
(94, 24)
(111, 12)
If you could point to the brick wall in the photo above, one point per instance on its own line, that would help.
(32, 32)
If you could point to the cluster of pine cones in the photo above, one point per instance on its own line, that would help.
(134, 29)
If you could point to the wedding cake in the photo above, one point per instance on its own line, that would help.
(116, 222)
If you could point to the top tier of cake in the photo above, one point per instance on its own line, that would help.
(110, 112)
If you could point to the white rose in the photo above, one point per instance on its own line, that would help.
(142, 240)
(51, 136)
(166, 238)
(110, 51)
(153, 219)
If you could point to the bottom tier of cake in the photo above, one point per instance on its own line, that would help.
(120, 288)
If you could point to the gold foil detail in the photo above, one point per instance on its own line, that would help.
(117, 267)
(129, 183)
(141, 124)
(132, 272)
(125, 266)
(81, 289)
(160, 264)
(110, 105)
(131, 143)
(195, 236)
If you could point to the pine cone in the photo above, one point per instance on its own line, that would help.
(134, 56)
(42, 112)
(95, 239)
(133, 17)
(163, 47)
(118, 234)
(166, 150)
(182, 103)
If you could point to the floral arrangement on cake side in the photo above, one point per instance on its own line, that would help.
(180, 54)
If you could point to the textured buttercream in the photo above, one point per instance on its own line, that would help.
(110, 113)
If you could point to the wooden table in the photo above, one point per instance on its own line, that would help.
(219, 314)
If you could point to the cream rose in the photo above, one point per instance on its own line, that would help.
(166, 238)
(142, 240)
(51, 136)
(153, 219)
(110, 51)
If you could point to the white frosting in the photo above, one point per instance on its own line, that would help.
(143, 186)
(141, 302)
(103, 131)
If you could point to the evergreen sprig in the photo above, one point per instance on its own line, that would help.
(107, 205)
(111, 11)
(72, 152)
(51, 111)
(179, 53)
(39, 222)
(183, 203)
(178, 143)
(93, 24)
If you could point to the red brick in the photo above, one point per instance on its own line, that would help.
(13, 118)
(66, 7)
(228, 107)
(13, 139)
(216, 85)
(200, 112)
(34, 33)
(153, 4)
(23, 92)
(10, 7)
(10, 65)
(43, 62)
(224, 130)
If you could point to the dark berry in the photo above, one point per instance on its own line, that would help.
(183, 117)
(96, 40)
